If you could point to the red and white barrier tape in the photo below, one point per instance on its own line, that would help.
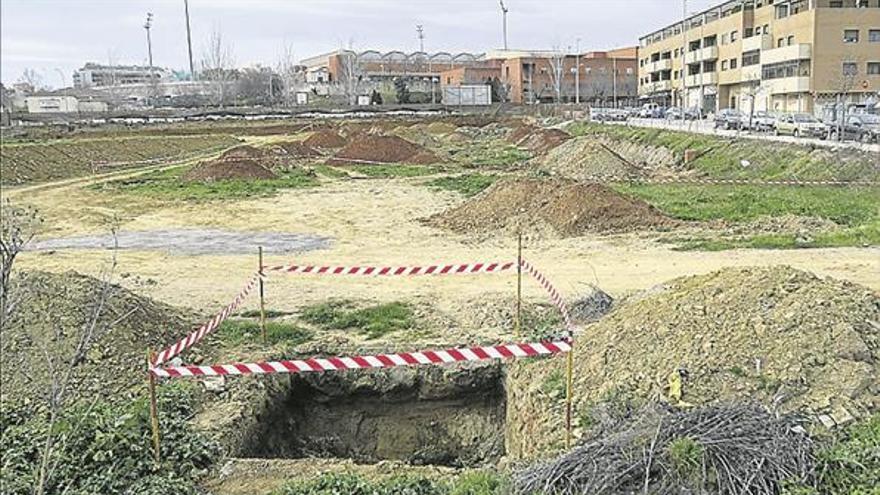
(554, 294)
(363, 362)
(757, 182)
(209, 326)
(459, 269)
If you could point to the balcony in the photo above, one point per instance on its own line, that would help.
(751, 73)
(704, 79)
(787, 85)
(759, 42)
(803, 51)
(655, 87)
(659, 65)
(708, 53)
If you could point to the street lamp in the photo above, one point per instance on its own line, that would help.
(147, 25)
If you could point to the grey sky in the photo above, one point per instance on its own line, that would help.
(48, 35)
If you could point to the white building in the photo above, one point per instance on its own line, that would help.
(51, 104)
(93, 75)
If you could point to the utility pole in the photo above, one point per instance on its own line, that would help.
(614, 81)
(577, 72)
(684, 64)
(189, 44)
(147, 26)
(504, 20)
(421, 30)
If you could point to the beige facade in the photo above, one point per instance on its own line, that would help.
(777, 55)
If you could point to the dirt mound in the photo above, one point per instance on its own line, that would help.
(440, 127)
(585, 158)
(520, 132)
(366, 148)
(244, 152)
(566, 208)
(52, 312)
(776, 334)
(228, 169)
(296, 149)
(325, 139)
(543, 140)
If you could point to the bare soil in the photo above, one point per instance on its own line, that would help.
(228, 169)
(567, 209)
(382, 149)
(325, 139)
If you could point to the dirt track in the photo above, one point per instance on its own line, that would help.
(377, 222)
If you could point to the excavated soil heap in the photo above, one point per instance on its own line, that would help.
(585, 158)
(365, 148)
(245, 152)
(228, 169)
(296, 149)
(325, 139)
(520, 132)
(565, 208)
(543, 140)
(778, 335)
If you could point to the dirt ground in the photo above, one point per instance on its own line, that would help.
(377, 221)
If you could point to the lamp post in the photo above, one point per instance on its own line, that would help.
(577, 73)
(147, 26)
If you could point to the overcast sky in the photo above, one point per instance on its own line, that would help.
(55, 37)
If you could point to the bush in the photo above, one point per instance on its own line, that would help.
(105, 448)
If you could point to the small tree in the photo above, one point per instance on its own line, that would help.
(217, 66)
(557, 71)
(402, 90)
(288, 72)
(18, 226)
(351, 74)
(844, 83)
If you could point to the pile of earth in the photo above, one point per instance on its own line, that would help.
(542, 140)
(52, 311)
(244, 152)
(467, 134)
(227, 169)
(325, 139)
(585, 158)
(296, 150)
(520, 132)
(564, 208)
(777, 335)
(373, 148)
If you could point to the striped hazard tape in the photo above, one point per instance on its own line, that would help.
(555, 296)
(194, 337)
(457, 269)
(485, 353)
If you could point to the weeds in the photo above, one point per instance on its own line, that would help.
(466, 185)
(373, 321)
(237, 332)
(391, 171)
(470, 483)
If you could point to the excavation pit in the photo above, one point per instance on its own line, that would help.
(433, 415)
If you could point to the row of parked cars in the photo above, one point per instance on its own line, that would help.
(863, 127)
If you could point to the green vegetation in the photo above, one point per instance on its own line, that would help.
(168, 185)
(856, 210)
(471, 483)
(373, 321)
(722, 157)
(22, 163)
(686, 456)
(554, 384)
(467, 185)
(848, 463)
(237, 332)
(388, 171)
(270, 313)
(330, 172)
(105, 448)
(494, 153)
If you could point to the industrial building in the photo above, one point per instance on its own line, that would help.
(95, 75)
(780, 56)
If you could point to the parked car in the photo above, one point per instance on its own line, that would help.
(673, 113)
(730, 118)
(764, 121)
(861, 127)
(651, 111)
(800, 125)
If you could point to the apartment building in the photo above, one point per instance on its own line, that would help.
(93, 75)
(777, 55)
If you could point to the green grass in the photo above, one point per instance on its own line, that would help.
(238, 332)
(468, 483)
(372, 321)
(467, 185)
(722, 156)
(331, 172)
(856, 210)
(488, 154)
(167, 184)
(270, 313)
(389, 171)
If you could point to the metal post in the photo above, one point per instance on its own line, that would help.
(154, 405)
(262, 297)
(684, 64)
(189, 45)
(519, 285)
(569, 386)
(577, 73)
(614, 82)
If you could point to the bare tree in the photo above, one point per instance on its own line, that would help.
(351, 74)
(32, 78)
(217, 66)
(844, 83)
(18, 225)
(557, 71)
(288, 71)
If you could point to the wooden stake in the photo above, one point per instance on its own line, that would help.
(518, 285)
(154, 405)
(262, 297)
(569, 386)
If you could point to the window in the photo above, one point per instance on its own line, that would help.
(851, 36)
(766, 28)
(782, 11)
(836, 4)
(748, 32)
(733, 36)
(724, 65)
(790, 68)
(790, 40)
(850, 68)
(733, 63)
(629, 71)
(780, 42)
(874, 35)
(874, 68)
(751, 58)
